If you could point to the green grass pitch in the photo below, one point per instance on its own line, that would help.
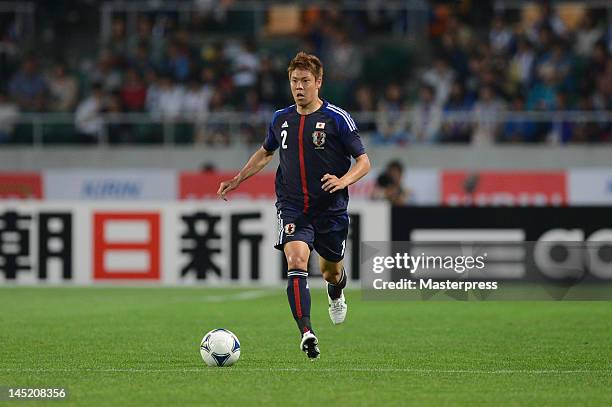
(140, 346)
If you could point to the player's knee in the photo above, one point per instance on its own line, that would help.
(297, 261)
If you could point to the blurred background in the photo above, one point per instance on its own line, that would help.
(131, 112)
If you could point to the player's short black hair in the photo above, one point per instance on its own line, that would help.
(307, 62)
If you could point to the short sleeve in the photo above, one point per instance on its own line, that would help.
(349, 134)
(271, 143)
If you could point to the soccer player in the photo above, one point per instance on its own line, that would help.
(316, 141)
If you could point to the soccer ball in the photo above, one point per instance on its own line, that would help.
(220, 347)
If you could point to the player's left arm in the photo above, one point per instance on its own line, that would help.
(361, 167)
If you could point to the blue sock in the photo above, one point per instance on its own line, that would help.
(298, 295)
(335, 290)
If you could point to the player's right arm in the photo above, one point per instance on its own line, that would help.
(256, 163)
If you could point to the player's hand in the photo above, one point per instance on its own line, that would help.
(227, 186)
(332, 183)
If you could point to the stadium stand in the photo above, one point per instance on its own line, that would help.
(142, 73)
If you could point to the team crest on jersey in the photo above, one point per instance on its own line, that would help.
(290, 229)
(318, 139)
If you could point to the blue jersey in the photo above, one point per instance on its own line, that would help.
(311, 146)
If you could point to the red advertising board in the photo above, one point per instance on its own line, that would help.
(20, 185)
(199, 185)
(203, 185)
(504, 188)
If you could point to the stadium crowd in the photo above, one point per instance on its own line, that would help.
(474, 73)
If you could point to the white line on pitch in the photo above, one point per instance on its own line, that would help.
(314, 369)
(244, 296)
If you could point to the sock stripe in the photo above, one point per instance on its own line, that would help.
(296, 292)
(297, 273)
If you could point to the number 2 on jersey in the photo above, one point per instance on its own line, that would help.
(284, 141)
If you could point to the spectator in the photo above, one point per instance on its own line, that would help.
(213, 57)
(543, 40)
(117, 43)
(88, 118)
(141, 38)
(475, 69)
(363, 101)
(9, 56)
(560, 63)
(140, 59)
(211, 12)
(561, 130)
(495, 79)
(425, 117)
(208, 79)
(543, 95)
(588, 34)
(585, 132)
(215, 133)
(9, 112)
(133, 92)
(245, 66)
(596, 65)
(256, 116)
(155, 44)
(178, 63)
(522, 63)
(500, 35)
(457, 129)
(196, 100)
(487, 113)
(389, 185)
(548, 23)
(63, 89)
(171, 98)
(271, 84)
(455, 54)
(28, 88)
(118, 132)
(152, 101)
(602, 96)
(106, 72)
(395, 169)
(208, 167)
(391, 117)
(460, 31)
(441, 78)
(344, 60)
(519, 130)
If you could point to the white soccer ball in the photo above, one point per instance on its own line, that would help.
(220, 347)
